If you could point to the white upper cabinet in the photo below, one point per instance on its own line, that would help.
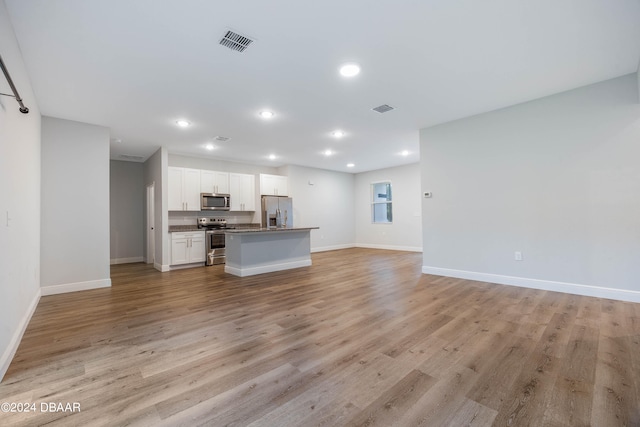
(176, 182)
(242, 188)
(184, 189)
(214, 182)
(274, 185)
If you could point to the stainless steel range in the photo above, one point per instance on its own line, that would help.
(215, 240)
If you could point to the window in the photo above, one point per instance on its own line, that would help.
(381, 210)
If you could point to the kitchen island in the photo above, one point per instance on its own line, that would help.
(263, 250)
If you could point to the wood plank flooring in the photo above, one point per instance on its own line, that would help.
(360, 338)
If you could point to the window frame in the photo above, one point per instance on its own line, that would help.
(389, 202)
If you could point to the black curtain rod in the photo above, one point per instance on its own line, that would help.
(23, 109)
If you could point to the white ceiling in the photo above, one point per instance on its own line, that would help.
(136, 66)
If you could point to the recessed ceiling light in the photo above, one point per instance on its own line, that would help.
(209, 147)
(272, 157)
(337, 134)
(266, 114)
(182, 123)
(350, 69)
(350, 165)
(328, 152)
(405, 153)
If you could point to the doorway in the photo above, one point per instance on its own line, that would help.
(150, 232)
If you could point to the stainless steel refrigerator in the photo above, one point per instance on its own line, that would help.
(270, 207)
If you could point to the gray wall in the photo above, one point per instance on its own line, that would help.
(327, 204)
(218, 165)
(405, 231)
(127, 209)
(19, 200)
(75, 206)
(556, 178)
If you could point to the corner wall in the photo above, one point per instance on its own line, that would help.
(405, 231)
(556, 179)
(324, 199)
(75, 206)
(19, 200)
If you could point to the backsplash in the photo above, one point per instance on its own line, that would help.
(190, 218)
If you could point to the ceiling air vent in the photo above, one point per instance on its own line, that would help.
(383, 108)
(235, 41)
(221, 138)
(131, 158)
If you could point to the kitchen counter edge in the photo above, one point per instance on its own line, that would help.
(269, 230)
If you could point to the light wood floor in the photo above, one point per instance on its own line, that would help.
(360, 338)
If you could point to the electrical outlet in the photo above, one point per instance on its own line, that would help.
(428, 194)
(518, 256)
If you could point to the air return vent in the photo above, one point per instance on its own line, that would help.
(383, 108)
(131, 158)
(221, 138)
(235, 41)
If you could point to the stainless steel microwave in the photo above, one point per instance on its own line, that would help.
(215, 202)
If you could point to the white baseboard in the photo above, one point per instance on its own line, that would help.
(11, 349)
(546, 285)
(332, 248)
(161, 267)
(127, 260)
(74, 287)
(183, 266)
(250, 271)
(390, 247)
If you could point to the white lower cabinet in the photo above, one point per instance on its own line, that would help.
(187, 247)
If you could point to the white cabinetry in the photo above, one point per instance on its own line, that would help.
(187, 247)
(242, 188)
(274, 185)
(184, 189)
(214, 182)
